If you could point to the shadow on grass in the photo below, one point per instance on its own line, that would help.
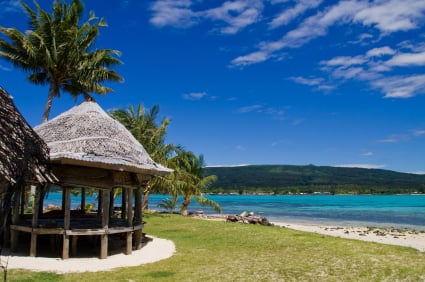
(25, 276)
(161, 274)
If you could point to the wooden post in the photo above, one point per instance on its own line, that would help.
(41, 201)
(105, 223)
(138, 217)
(14, 234)
(35, 211)
(138, 205)
(99, 203)
(129, 243)
(129, 206)
(74, 245)
(123, 203)
(111, 203)
(63, 199)
(66, 221)
(22, 207)
(83, 200)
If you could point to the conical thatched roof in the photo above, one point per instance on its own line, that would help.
(87, 136)
(23, 154)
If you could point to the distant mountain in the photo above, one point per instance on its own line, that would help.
(284, 179)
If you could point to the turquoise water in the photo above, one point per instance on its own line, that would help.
(349, 210)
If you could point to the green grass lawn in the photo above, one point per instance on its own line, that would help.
(220, 251)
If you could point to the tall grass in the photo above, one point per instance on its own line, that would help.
(220, 251)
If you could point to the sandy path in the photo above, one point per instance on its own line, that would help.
(155, 250)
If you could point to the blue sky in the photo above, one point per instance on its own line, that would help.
(337, 83)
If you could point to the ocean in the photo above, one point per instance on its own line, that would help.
(400, 211)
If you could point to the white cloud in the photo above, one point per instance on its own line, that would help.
(275, 113)
(10, 6)
(289, 14)
(349, 73)
(237, 165)
(419, 132)
(396, 138)
(344, 61)
(176, 13)
(367, 154)
(381, 51)
(307, 81)
(368, 166)
(371, 66)
(391, 16)
(318, 83)
(233, 15)
(346, 67)
(309, 29)
(401, 86)
(417, 172)
(253, 58)
(252, 108)
(385, 16)
(194, 96)
(3, 68)
(408, 59)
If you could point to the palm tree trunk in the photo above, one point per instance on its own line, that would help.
(146, 192)
(145, 205)
(185, 205)
(48, 106)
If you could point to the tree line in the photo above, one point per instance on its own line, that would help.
(58, 50)
(287, 179)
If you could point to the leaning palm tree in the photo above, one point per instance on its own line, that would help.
(57, 51)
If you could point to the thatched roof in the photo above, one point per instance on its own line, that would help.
(87, 136)
(23, 154)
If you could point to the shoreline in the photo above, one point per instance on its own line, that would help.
(405, 237)
(390, 236)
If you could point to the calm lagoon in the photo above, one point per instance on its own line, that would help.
(402, 211)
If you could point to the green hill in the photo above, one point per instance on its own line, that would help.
(284, 179)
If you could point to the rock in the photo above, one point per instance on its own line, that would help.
(247, 219)
(243, 214)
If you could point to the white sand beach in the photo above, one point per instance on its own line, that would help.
(155, 250)
(390, 236)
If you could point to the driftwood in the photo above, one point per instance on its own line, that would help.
(249, 218)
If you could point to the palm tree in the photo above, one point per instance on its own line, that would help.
(168, 204)
(56, 51)
(189, 180)
(143, 125)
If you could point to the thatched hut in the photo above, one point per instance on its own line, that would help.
(89, 149)
(24, 158)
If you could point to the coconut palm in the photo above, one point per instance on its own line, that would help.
(56, 51)
(168, 204)
(188, 180)
(143, 125)
(198, 182)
